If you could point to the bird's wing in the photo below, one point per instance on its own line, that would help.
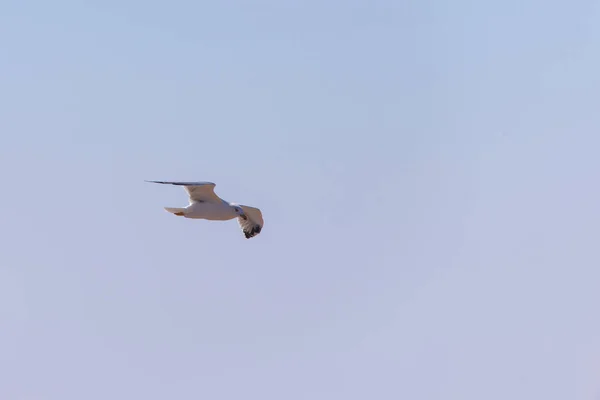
(199, 192)
(254, 222)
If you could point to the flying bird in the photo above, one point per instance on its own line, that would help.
(205, 204)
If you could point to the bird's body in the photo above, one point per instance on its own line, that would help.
(205, 204)
(210, 211)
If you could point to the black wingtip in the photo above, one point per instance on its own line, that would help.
(252, 232)
(169, 183)
(177, 183)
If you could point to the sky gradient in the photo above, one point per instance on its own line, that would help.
(427, 170)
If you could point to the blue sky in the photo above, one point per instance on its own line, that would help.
(427, 173)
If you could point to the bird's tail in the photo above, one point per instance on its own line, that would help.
(177, 211)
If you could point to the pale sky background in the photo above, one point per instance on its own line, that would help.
(428, 173)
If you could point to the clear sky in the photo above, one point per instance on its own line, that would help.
(428, 173)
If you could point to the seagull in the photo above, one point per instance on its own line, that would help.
(205, 204)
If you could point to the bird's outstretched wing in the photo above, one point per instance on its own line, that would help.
(252, 225)
(198, 192)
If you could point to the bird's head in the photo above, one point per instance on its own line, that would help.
(239, 211)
